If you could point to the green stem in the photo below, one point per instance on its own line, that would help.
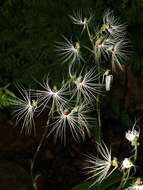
(90, 36)
(127, 177)
(98, 105)
(98, 96)
(136, 153)
(122, 181)
(127, 173)
(99, 120)
(41, 141)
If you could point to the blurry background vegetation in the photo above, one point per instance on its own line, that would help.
(29, 28)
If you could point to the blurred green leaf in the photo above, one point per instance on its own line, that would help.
(107, 184)
(5, 97)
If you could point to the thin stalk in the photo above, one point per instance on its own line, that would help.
(98, 96)
(136, 152)
(127, 177)
(98, 109)
(41, 141)
(122, 181)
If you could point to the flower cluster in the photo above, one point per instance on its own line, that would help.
(100, 168)
(108, 42)
(71, 106)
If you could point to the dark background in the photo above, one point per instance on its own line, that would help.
(28, 30)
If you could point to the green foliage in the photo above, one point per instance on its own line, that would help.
(29, 29)
(126, 122)
(5, 96)
(107, 184)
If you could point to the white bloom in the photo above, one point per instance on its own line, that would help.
(78, 19)
(113, 25)
(99, 168)
(57, 96)
(108, 79)
(126, 164)
(73, 121)
(68, 51)
(108, 82)
(24, 110)
(87, 86)
(132, 135)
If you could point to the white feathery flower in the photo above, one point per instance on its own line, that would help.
(87, 86)
(113, 25)
(78, 19)
(119, 53)
(68, 51)
(73, 121)
(57, 96)
(98, 169)
(24, 110)
(126, 164)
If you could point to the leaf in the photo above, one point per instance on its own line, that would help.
(107, 184)
(5, 97)
(82, 186)
(125, 120)
(111, 181)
